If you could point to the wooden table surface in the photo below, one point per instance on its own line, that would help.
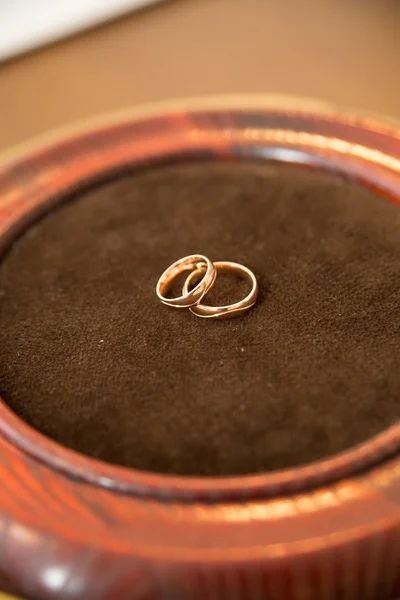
(341, 51)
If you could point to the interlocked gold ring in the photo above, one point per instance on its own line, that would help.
(194, 262)
(218, 312)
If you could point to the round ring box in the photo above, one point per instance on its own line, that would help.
(73, 526)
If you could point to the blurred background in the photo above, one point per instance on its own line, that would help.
(59, 65)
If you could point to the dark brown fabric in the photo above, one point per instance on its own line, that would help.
(89, 356)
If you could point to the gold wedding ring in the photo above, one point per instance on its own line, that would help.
(207, 311)
(202, 275)
(192, 297)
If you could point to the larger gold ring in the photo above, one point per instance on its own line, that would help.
(194, 263)
(218, 312)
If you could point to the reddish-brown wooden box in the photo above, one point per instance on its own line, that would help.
(72, 527)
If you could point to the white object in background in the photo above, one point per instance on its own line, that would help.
(27, 24)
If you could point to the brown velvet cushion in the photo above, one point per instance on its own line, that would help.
(90, 358)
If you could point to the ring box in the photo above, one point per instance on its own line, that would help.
(148, 458)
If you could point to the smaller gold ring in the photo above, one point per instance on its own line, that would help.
(194, 262)
(218, 312)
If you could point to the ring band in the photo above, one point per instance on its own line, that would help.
(194, 262)
(218, 312)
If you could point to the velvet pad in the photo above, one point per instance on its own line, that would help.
(90, 357)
